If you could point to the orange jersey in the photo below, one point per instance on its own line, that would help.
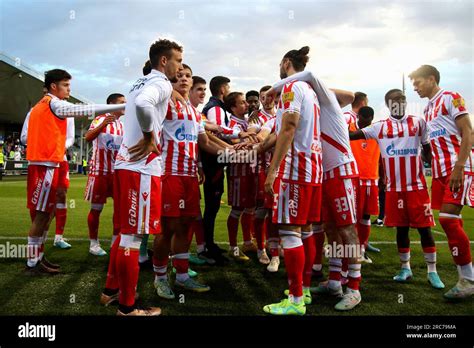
(367, 154)
(46, 134)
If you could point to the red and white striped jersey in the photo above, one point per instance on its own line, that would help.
(303, 162)
(350, 117)
(440, 114)
(179, 140)
(105, 147)
(239, 169)
(216, 115)
(400, 147)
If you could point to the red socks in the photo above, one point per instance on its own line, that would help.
(247, 222)
(319, 244)
(295, 262)
(127, 269)
(61, 215)
(363, 231)
(112, 281)
(93, 223)
(354, 276)
(457, 239)
(232, 229)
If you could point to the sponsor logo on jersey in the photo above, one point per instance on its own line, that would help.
(393, 151)
(132, 212)
(438, 133)
(110, 145)
(181, 134)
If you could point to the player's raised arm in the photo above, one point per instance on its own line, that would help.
(63, 109)
(343, 97)
(357, 135)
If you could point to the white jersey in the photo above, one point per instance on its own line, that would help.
(181, 130)
(153, 90)
(440, 114)
(399, 142)
(303, 162)
(337, 151)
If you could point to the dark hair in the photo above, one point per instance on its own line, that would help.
(186, 66)
(425, 71)
(146, 68)
(298, 58)
(387, 95)
(265, 88)
(366, 112)
(198, 80)
(216, 83)
(231, 99)
(54, 76)
(359, 97)
(113, 97)
(160, 48)
(252, 93)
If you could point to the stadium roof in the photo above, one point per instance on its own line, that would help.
(20, 88)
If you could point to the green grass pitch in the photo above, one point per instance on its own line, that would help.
(236, 289)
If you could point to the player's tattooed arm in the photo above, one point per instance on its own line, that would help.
(289, 125)
(465, 129)
(426, 153)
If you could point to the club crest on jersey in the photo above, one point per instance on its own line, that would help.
(145, 195)
(181, 134)
(364, 145)
(458, 102)
(288, 97)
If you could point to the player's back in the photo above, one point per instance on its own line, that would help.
(335, 136)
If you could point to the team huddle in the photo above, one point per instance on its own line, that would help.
(152, 149)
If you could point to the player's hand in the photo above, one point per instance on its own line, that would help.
(175, 96)
(253, 118)
(269, 183)
(249, 136)
(201, 176)
(456, 179)
(109, 119)
(269, 95)
(143, 148)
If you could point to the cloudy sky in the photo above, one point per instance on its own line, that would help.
(356, 45)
